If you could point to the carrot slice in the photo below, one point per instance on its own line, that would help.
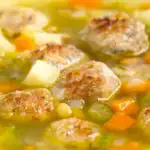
(6, 87)
(90, 4)
(24, 42)
(137, 88)
(126, 105)
(119, 122)
(129, 146)
(29, 148)
(147, 58)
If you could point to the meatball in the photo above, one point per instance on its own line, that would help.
(61, 55)
(91, 80)
(27, 105)
(144, 121)
(117, 35)
(73, 132)
(15, 20)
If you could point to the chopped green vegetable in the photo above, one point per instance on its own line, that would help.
(8, 138)
(145, 100)
(100, 112)
(106, 141)
(77, 107)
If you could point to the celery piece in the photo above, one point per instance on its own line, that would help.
(8, 138)
(100, 112)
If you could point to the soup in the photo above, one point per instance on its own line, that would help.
(74, 75)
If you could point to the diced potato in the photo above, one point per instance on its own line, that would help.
(44, 38)
(42, 74)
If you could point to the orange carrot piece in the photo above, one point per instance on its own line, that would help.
(126, 105)
(146, 5)
(29, 148)
(129, 146)
(119, 122)
(90, 4)
(24, 42)
(6, 87)
(138, 88)
(147, 58)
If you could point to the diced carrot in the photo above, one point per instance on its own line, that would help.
(126, 105)
(119, 122)
(147, 58)
(129, 146)
(136, 88)
(29, 148)
(90, 4)
(146, 5)
(24, 42)
(6, 87)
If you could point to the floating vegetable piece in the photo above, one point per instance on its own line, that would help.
(126, 105)
(119, 122)
(77, 108)
(73, 133)
(116, 35)
(92, 81)
(129, 146)
(63, 110)
(42, 74)
(8, 139)
(100, 112)
(48, 38)
(27, 105)
(24, 42)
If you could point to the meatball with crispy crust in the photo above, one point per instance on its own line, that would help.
(16, 19)
(27, 105)
(89, 80)
(73, 133)
(61, 55)
(117, 35)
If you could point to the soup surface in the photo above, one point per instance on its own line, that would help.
(75, 75)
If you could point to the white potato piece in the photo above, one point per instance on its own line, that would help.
(42, 74)
(44, 38)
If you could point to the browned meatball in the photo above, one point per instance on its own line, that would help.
(27, 105)
(91, 79)
(117, 35)
(61, 55)
(17, 19)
